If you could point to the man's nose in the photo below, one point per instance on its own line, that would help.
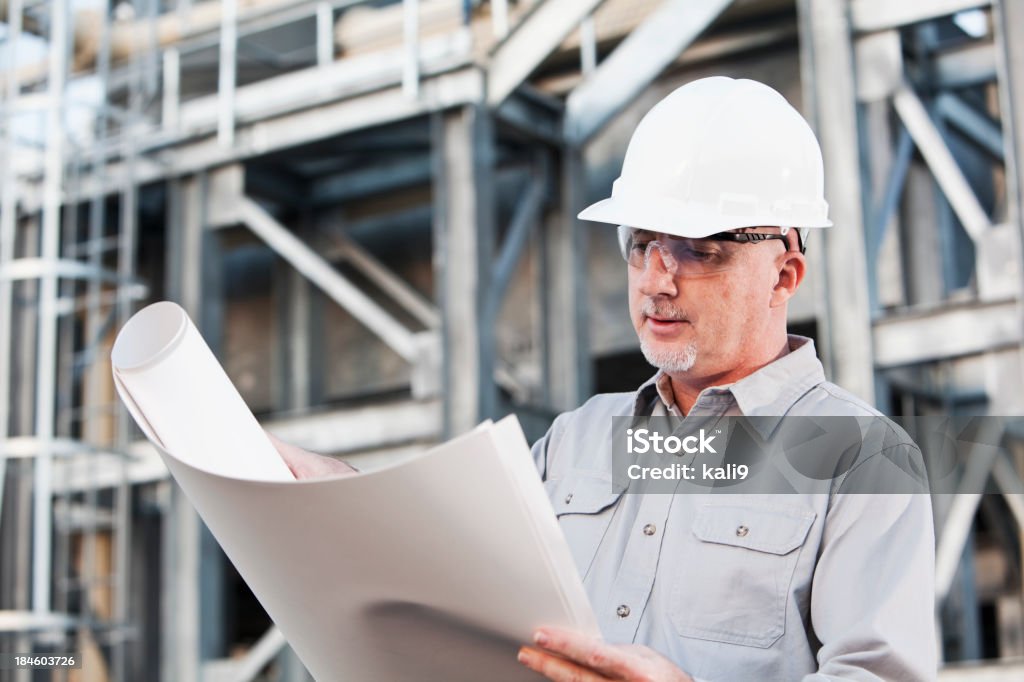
(657, 278)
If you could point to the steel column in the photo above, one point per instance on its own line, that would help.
(324, 33)
(826, 57)
(190, 607)
(564, 293)
(8, 217)
(171, 102)
(228, 73)
(8, 226)
(1010, 41)
(411, 35)
(46, 361)
(463, 238)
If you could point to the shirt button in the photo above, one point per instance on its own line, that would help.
(622, 611)
(742, 531)
(649, 529)
(568, 498)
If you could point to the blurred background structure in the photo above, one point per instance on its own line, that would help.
(368, 209)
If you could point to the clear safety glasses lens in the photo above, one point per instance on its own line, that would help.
(685, 256)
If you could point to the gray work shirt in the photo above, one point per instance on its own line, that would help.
(827, 586)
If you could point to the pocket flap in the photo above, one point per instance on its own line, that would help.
(580, 493)
(775, 529)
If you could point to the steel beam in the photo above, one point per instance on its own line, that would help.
(635, 63)
(947, 332)
(978, 127)
(879, 15)
(321, 273)
(261, 653)
(526, 215)
(536, 36)
(369, 106)
(1001, 671)
(352, 431)
(966, 65)
(826, 58)
(956, 527)
(28, 621)
(27, 447)
(58, 268)
(375, 179)
(389, 424)
(887, 209)
(253, 19)
(345, 78)
(1008, 480)
(277, 186)
(941, 162)
(390, 283)
(533, 115)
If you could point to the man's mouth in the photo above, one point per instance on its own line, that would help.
(664, 324)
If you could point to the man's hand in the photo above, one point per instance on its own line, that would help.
(567, 656)
(305, 464)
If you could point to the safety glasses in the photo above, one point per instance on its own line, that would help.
(686, 256)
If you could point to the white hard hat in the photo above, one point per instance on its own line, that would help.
(718, 154)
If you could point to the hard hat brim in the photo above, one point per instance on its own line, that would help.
(685, 219)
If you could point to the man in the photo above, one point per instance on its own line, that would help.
(721, 182)
(838, 585)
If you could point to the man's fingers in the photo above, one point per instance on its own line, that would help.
(588, 652)
(304, 464)
(556, 668)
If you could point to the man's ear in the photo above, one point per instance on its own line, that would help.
(791, 266)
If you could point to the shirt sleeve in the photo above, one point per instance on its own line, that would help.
(873, 591)
(545, 448)
(540, 454)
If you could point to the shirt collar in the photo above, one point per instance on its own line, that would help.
(769, 392)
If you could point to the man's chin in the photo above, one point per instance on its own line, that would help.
(672, 358)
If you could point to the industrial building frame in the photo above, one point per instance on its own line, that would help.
(463, 119)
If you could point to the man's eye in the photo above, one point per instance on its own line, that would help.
(701, 256)
(639, 246)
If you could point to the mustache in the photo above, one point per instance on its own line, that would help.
(663, 310)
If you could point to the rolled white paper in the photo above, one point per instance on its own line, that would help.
(178, 391)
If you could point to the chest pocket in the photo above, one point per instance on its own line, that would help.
(584, 503)
(735, 573)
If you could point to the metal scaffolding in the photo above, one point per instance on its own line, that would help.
(368, 208)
